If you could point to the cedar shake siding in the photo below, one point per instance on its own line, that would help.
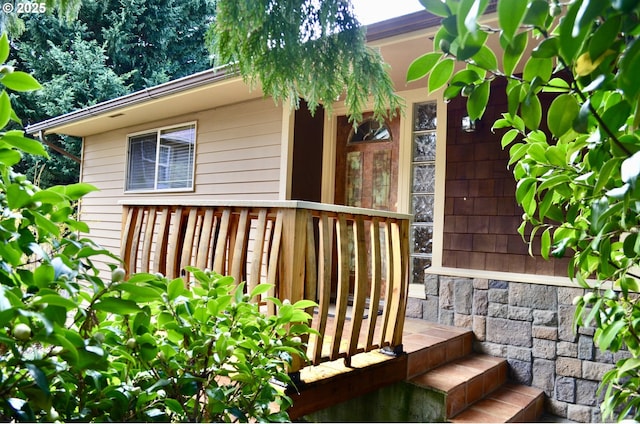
(481, 213)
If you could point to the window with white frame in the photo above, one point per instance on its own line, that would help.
(423, 188)
(162, 159)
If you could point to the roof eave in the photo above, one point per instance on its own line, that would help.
(172, 87)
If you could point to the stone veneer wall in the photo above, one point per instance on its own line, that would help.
(531, 325)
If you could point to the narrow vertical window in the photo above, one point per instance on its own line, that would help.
(423, 188)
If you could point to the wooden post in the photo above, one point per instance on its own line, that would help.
(293, 256)
(294, 242)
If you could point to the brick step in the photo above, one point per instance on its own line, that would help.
(429, 345)
(510, 403)
(464, 381)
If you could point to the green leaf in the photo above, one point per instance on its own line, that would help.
(304, 304)
(548, 48)
(175, 288)
(117, 306)
(628, 246)
(17, 139)
(537, 13)
(436, 7)
(531, 111)
(20, 81)
(4, 48)
(616, 116)
(47, 196)
(570, 44)
(556, 155)
(70, 352)
(554, 181)
(586, 15)
(538, 67)
(630, 169)
(5, 109)
(440, 74)
(174, 406)
(627, 365)
(525, 193)
(486, 59)
(141, 293)
(43, 275)
(55, 299)
(74, 191)
(563, 111)
(609, 334)
(510, 16)
(598, 207)
(604, 37)
(604, 176)
(260, 289)
(17, 196)
(421, 66)
(556, 85)
(508, 137)
(39, 377)
(513, 52)
(545, 246)
(9, 157)
(477, 103)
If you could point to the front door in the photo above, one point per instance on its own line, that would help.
(367, 163)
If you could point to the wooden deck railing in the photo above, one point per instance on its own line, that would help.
(353, 262)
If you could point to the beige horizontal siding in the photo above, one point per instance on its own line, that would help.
(237, 158)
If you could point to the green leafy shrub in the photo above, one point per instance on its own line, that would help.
(577, 182)
(74, 347)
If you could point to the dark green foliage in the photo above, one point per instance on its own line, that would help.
(75, 346)
(578, 184)
(303, 49)
(110, 49)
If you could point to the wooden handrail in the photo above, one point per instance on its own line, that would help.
(353, 262)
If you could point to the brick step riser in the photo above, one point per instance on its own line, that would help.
(434, 356)
(478, 380)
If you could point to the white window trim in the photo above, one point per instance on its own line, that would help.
(158, 130)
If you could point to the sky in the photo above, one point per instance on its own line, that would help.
(370, 11)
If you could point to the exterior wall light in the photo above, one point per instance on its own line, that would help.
(468, 124)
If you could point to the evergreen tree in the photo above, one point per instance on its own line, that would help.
(110, 49)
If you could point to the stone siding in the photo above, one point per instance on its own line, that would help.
(531, 325)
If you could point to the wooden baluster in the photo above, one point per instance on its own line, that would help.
(174, 248)
(188, 242)
(221, 243)
(135, 239)
(360, 291)
(129, 214)
(388, 298)
(258, 250)
(343, 284)
(324, 280)
(311, 273)
(160, 254)
(376, 281)
(274, 259)
(204, 245)
(401, 283)
(397, 283)
(238, 255)
(145, 256)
